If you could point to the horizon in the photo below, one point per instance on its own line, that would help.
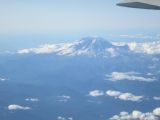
(34, 40)
(31, 23)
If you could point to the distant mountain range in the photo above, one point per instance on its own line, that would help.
(95, 46)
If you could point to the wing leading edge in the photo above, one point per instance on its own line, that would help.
(142, 5)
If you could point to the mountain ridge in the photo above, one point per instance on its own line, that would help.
(91, 46)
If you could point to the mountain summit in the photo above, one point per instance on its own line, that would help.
(93, 43)
(90, 46)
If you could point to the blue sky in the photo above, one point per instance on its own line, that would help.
(48, 16)
(23, 21)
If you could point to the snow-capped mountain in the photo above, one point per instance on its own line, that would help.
(91, 46)
(95, 46)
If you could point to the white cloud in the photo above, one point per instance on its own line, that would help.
(143, 47)
(116, 95)
(63, 118)
(43, 49)
(130, 97)
(113, 93)
(147, 48)
(156, 98)
(17, 107)
(2, 79)
(32, 99)
(60, 118)
(124, 96)
(149, 74)
(156, 111)
(70, 118)
(138, 115)
(64, 98)
(117, 76)
(96, 93)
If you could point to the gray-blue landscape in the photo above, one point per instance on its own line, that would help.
(87, 79)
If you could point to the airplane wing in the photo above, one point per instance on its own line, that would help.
(143, 4)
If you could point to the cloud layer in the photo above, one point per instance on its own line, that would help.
(64, 118)
(138, 115)
(43, 49)
(2, 79)
(156, 98)
(17, 107)
(96, 93)
(150, 48)
(64, 98)
(124, 96)
(116, 95)
(118, 76)
(32, 99)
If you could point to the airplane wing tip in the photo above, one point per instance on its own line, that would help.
(138, 5)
